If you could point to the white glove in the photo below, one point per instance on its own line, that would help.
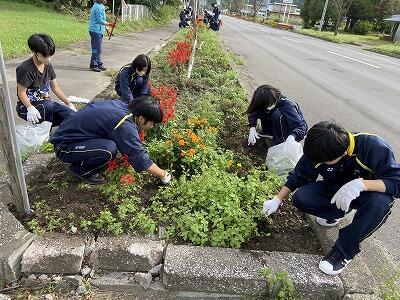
(348, 193)
(271, 206)
(72, 106)
(253, 136)
(33, 116)
(290, 138)
(167, 178)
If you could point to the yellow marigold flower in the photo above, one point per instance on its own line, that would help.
(169, 142)
(229, 163)
(239, 165)
(181, 143)
(191, 152)
(213, 129)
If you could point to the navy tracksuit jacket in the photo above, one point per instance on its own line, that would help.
(369, 157)
(90, 138)
(129, 85)
(283, 120)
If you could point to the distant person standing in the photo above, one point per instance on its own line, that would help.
(97, 26)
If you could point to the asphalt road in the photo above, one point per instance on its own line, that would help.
(359, 89)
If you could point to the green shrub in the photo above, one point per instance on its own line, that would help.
(363, 27)
(216, 207)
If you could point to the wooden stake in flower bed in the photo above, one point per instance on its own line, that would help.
(191, 61)
(10, 146)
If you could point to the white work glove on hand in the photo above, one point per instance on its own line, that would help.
(72, 106)
(290, 138)
(253, 136)
(33, 116)
(348, 193)
(167, 178)
(271, 206)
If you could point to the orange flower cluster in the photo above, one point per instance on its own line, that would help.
(127, 179)
(186, 142)
(180, 54)
(166, 94)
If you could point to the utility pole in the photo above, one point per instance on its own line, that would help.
(323, 15)
(10, 147)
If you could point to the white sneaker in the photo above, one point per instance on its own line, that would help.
(327, 223)
(334, 222)
(334, 262)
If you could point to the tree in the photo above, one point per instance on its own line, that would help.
(311, 12)
(339, 10)
(257, 4)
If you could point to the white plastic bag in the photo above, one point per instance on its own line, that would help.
(283, 157)
(75, 99)
(30, 137)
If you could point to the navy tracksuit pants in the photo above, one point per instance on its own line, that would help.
(49, 111)
(95, 41)
(373, 208)
(87, 157)
(275, 125)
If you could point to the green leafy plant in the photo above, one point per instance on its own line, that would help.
(280, 286)
(35, 227)
(214, 207)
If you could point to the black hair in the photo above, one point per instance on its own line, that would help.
(140, 62)
(42, 43)
(326, 141)
(264, 96)
(214, 4)
(147, 107)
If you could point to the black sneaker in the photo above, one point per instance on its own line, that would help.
(91, 179)
(334, 262)
(95, 69)
(102, 68)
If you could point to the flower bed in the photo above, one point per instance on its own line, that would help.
(217, 194)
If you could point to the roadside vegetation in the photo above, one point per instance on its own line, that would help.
(19, 20)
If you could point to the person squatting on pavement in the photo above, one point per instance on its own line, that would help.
(35, 78)
(114, 126)
(359, 172)
(280, 116)
(132, 80)
(97, 26)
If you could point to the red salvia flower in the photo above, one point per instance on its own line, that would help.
(141, 135)
(167, 96)
(112, 165)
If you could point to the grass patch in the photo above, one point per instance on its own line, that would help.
(346, 38)
(390, 49)
(19, 21)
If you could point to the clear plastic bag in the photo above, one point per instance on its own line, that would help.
(283, 157)
(31, 137)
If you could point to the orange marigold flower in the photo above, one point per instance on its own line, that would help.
(181, 142)
(195, 138)
(202, 146)
(191, 152)
(168, 142)
(182, 154)
(127, 179)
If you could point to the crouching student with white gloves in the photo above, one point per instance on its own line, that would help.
(90, 138)
(359, 172)
(280, 117)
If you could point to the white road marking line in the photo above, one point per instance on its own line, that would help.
(363, 62)
(267, 31)
(291, 40)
